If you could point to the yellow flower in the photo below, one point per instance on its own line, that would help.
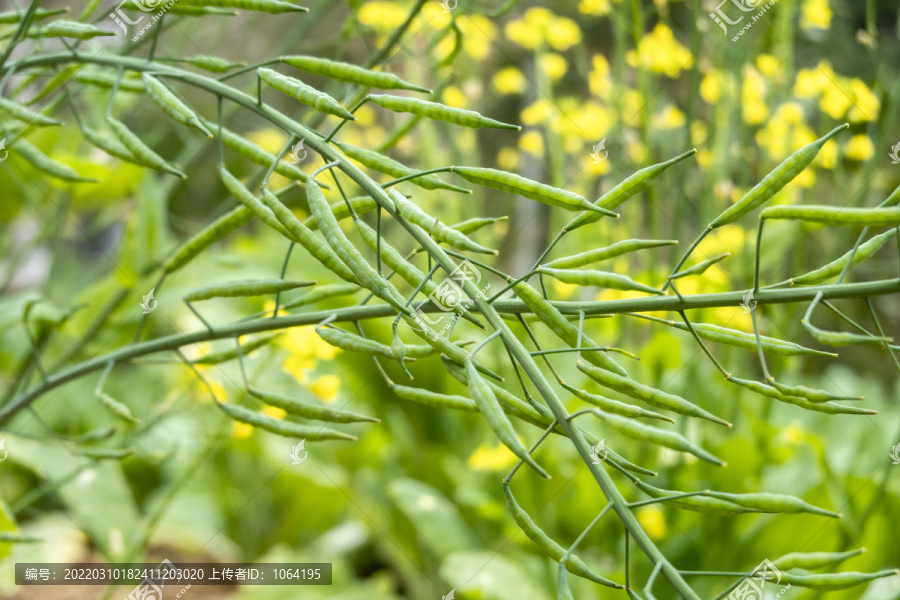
(452, 96)
(478, 32)
(563, 33)
(241, 430)
(326, 387)
(508, 159)
(305, 347)
(365, 115)
(813, 82)
(816, 15)
(597, 8)
(828, 155)
(637, 152)
(598, 79)
(770, 66)
(270, 140)
(593, 122)
(699, 133)
(509, 81)
(274, 412)
(794, 434)
(835, 102)
(711, 86)
(860, 148)
(539, 27)
(653, 521)
(792, 112)
(669, 118)
(660, 52)
(532, 142)
(491, 458)
(866, 104)
(554, 65)
(753, 97)
(564, 291)
(218, 390)
(538, 112)
(382, 16)
(632, 104)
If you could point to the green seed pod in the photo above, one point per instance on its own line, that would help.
(543, 541)
(614, 406)
(58, 80)
(473, 225)
(306, 410)
(700, 267)
(283, 428)
(361, 205)
(95, 435)
(824, 407)
(355, 343)
(107, 82)
(814, 560)
(639, 391)
(213, 64)
(244, 288)
(68, 29)
(398, 349)
(775, 181)
(362, 270)
(493, 413)
(306, 238)
(515, 184)
(700, 504)
(600, 254)
(835, 581)
(834, 268)
(809, 393)
(324, 292)
(833, 215)
(633, 185)
(246, 197)
(350, 73)
(12, 17)
(743, 339)
(17, 111)
(423, 396)
(255, 154)
(381, 163)
(603, 279)
(562, 584)
(205, 238)
(110, 146)
(439, 231)
(654, 435)
(842, 338)
(103, 453)
(773, 503)
(42, 162)
(172, 105)
(142, 153)
(310, 96)
(440, 112)
(188, 10)
(564, 330)
(272, 7)
(117, 408)
(214, 358)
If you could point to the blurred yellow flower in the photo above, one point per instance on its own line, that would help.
(538, 113)
(452, 96)
(816, 15)
(326, 387)
(828, 155)
(637, 152)
(598, 79)
(669, 118)
(866, 104)
(813, 82)
(241, 430)
(532, 142)
(305, 347)
(591, 121)
(554, 65)
(632, 104)
(509, 81)
(769, 65)
(753, 97)
(508, 159)
(382, 16)
(270, 140)
(274, 412)
(835, 102)
(563, 33)
(660, 52)
(860, 148)
(563, 290)
(539, 27)
(652, 521)
(699, 133)
(596, 8)
(712, 84)
(478, 31)
(365, 115)
(491, 458)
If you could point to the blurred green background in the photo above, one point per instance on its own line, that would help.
(415, 507)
